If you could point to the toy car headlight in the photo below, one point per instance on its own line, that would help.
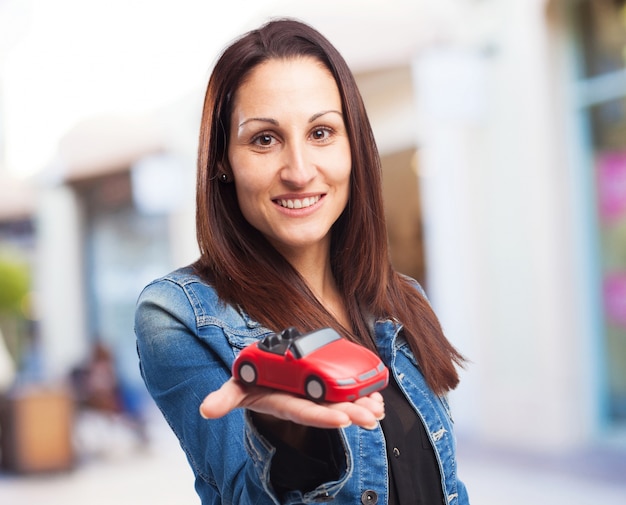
(371, 373)
(368, 375)
(345, 382)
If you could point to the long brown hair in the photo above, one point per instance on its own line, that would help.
(248, 272)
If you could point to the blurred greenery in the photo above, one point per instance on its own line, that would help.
(14, 283)
(15, 280)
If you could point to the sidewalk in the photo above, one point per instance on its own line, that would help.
(497, 478)
(113, 470)
(159, 475)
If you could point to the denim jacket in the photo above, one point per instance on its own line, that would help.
(187, 340)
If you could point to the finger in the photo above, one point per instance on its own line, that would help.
(358, 414)
(375, 405)
(296, 409)
(363, 412)
(376, 396)
(222, 401)
(284, 406)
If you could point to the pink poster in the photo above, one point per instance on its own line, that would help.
(615, 298)
(611, 168)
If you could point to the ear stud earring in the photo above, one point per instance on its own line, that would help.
(224, 177)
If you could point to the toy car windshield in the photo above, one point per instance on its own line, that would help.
(313, 341)
(300, 345)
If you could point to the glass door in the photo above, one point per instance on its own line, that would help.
(601, 29)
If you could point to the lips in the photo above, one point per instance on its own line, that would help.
(298, 203)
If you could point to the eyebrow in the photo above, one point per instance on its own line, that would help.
(275, 122)
(320, 114)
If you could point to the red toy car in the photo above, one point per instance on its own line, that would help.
(320, 365)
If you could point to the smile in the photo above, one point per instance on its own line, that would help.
(298, 203)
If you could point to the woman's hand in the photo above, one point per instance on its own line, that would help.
(365, 412)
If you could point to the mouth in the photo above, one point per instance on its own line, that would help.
(298, 203)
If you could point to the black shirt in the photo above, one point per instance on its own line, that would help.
(414, 476)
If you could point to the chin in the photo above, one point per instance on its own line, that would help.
(296, 244)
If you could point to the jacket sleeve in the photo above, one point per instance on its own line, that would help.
(180, 364)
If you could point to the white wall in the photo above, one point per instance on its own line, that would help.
(60, 295)
(499, 258)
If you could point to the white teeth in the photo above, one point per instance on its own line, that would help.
(299, 204)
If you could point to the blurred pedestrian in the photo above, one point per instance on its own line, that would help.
(291, 232)
(7, 367)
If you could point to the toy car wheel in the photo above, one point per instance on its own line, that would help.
(314, 389)
(247, 373)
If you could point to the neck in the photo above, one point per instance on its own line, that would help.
(314, 267)
(325, 289)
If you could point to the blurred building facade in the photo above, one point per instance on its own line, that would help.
(502, 129)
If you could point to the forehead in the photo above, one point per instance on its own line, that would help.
(277, 78)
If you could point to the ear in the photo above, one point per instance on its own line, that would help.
(224, 174)
(223, 167)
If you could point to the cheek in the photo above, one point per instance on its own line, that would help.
(245, 195)
(343, 177)
(337, 163)
(249, 212)
(250, 194)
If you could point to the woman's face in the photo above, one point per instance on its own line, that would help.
(290, 154)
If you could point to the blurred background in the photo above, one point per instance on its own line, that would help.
(502, 130)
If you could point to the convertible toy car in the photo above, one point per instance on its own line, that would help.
(320, 365)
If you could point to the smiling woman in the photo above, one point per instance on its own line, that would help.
(291, 232)
(290, 155)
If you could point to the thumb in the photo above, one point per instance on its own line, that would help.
(222, 401)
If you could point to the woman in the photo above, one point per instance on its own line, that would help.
(291, 232)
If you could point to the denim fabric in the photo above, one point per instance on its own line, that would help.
(187, 340)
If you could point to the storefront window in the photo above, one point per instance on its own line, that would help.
(608, 125)
(602, 34)
(124, 251)
(602, 26)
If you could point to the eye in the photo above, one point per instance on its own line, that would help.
(264, 140)
(321, 134)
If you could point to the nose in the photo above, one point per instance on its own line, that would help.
(298, 168)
